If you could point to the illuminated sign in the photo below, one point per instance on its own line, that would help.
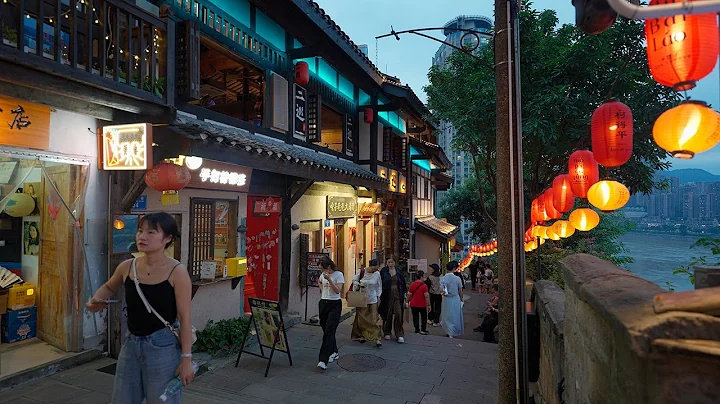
(24, 124)
(127, 147)
(403, 184)
(382, 172)
(393, 181)
(211, 174)
(341, 207)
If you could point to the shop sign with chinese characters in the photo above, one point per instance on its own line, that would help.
(221, 176)
(393, 181)
(402, 185)
(300, 127)
(341, 206)
(24, 124)
(267, 206)
(126, 147)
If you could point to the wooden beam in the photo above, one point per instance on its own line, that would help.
(417, 129)
(302, 53)
(300, 191)
(136, 189)
(389, 107)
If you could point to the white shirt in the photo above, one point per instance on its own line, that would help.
(371, 284)
(327, 292)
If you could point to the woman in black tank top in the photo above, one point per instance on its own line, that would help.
(151, 354)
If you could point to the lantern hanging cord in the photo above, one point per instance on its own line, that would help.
(631, 56)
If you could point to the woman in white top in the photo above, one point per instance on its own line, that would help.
(330, 283)
(365, 326)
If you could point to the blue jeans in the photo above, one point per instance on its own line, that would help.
(145, 367)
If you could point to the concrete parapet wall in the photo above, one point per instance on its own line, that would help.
(616, 349)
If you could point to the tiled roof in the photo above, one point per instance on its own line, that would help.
(248, 142)
(437, 226)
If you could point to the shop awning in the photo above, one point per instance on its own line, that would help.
(438, 228)
(441, 181)
(238, 146)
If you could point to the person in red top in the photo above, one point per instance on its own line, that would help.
(419, 298)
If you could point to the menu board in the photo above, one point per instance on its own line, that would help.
(313, 267)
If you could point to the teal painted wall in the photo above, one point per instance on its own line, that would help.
(268, 29)
(238, 9)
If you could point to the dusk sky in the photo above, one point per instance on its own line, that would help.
(410, 58)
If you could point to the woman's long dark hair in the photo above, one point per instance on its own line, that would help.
(327, 263)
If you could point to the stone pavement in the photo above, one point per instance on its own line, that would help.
(426, 369)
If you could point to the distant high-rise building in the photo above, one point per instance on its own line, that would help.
(462, 163)
(364, 49)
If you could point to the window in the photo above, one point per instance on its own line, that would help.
(211, 238)
(427, 189)
(415, 192)
(331, 129)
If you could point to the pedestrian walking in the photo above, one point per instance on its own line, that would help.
(391, 300)
(419, 301)
(330, 307)
(452, 317)
(158, 294)
(435, 295)
(474, 272)
(365, 327)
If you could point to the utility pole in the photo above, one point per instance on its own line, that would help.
(512, 356)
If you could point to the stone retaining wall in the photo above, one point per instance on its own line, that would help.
(602, 341)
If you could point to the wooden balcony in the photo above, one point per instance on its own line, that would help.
(106, 45)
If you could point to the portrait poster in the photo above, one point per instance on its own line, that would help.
(34, 189)
(31, 238)
(328, 239)
(268, 322)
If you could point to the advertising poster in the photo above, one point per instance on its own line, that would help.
(313, 267)
(269, 324)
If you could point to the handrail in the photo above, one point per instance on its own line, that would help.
(636, 12)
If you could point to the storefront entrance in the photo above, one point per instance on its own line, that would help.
(262, 250)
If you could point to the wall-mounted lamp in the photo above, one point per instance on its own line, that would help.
(295, 227)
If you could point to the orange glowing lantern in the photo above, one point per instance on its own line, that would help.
(608, 195)
(583, 172)
(584, 219)
(612, 134)
(690, 128)
(168, 178)
(681, 49)
(118, 224)
(549, 207)
(551, 234)
(542, 213)
(563, 228)
(563, 198)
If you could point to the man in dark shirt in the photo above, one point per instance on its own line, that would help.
(474, 272)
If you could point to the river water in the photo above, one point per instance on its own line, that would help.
(656, 255)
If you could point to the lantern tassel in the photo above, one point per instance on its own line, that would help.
(170, 198)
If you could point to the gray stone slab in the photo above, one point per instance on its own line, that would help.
(409, 386)
(431, 370)
(22, 400)
(374, 399)
(419, 376)
(56, 392)
(266, 392)
(222, 382)
(94, 397)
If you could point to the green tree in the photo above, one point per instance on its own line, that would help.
(565, 76)
(461, 203)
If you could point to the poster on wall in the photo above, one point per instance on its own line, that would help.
(300, 128)
(348, 135)
(328, 239)
(34, 189)
(313, 267)
(415, 265)
(31, 238)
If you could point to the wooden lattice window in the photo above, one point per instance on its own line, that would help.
(202, 234)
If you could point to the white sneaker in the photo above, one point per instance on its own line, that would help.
(387, 337)
(378, 343)
(334, 357)
(401, 340)
(322, 365)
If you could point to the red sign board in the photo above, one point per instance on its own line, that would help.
(268, 205)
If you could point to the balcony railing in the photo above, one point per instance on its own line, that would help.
(112, 40)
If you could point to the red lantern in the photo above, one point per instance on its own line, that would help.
(369, 114)
(681, 49)
(542, 212)
(534, 212)
(583, 172)
(563, 198)
(612, 134)
(494, 244)
(302, 73)
(168, 178)
(549, 206)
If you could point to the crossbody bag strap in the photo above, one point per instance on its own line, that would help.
(149, 308)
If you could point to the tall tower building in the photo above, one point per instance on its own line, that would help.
(462, 162)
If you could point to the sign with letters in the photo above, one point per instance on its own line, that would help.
(341, 206)
(126, 147)
(300, 128)
(348, 134)
(24, 124)
(222, 176)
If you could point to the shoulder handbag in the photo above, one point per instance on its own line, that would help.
(150, 309)
(356, 298)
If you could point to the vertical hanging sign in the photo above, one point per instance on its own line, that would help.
(300, 128)
(313, 118)
(348, 130)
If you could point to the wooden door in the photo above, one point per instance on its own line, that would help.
(55, 274)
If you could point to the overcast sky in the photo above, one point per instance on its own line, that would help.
(410, 58)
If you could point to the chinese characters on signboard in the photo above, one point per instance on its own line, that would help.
(393, 180)
(267, 206)
(24, 124)
(314, 110)
(341, 206)
(222, 177)
(300, 129)
(348, 133)
(127, 147)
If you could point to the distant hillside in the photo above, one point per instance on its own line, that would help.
(690, 175)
